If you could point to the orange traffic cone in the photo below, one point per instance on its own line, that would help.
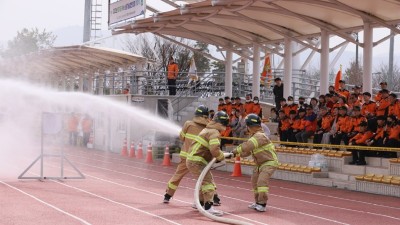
(149, 158)
(167, 160)
(237, 169)
(132, 151)
(140, 151)
(124, 151)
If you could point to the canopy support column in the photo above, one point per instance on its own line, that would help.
(228, 73)
(256, 70)
(367, 57)
(287, 74)
(324, 70)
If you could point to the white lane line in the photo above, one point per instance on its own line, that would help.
(47, 204)
(153, 193)
(118, 203)
(345, 199)
(127, 174)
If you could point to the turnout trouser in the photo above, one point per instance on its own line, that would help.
(208, 187)
(260, 183)
(180, 172)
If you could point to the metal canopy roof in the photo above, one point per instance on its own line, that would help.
(71, 59)
(237, 24)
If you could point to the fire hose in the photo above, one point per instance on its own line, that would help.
(197, 200)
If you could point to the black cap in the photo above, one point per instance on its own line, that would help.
(383, 82)
(255, 98)
(363, 124)
(277, 79)
(342, 81)
(367, 93)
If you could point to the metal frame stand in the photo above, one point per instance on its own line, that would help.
(41, 158)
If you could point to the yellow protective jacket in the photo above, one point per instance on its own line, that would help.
(261, 148)
(189, 132)
(207, 144)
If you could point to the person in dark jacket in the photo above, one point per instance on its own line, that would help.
(278, 92)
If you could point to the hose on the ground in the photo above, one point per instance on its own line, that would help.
(200, 207)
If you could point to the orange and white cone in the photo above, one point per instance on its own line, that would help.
(140, 151)
(149, 157)
(124, 151)
(132, 151)
(167, 160)
(237, 169)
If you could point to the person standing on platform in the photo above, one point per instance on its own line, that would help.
(190, 130)
(172, 74)
(264, 155)
(278, 92)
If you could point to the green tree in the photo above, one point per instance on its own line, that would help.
(218, 66)
(202, 63)
(28, 41)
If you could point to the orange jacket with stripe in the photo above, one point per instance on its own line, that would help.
(393, 132)
(383, 105)
(354, 123)
(228, 108)
(380, 132)
(172, 71)
(342, 124)
(221, 107)
(343, 92)
(369, 107)
(294, 107)
(299, 124)
(284, 124)
(238, 107)
(286, 109)
(378, 96)
(361, 138)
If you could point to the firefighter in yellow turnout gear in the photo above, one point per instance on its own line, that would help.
(206, 147)
(264, 155)
(189, 132)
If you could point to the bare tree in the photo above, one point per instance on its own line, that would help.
(383, 75)
(354, 74)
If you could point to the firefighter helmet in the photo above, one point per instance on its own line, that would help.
(253, 120)
(201, 111)
(222, 118)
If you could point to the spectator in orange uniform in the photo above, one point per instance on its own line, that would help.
(298, 125)
(172, 74)
(228, 105)
(310, 125)
(341, 127)
(361, 140)
(87, 124)
(353, 101)
(378, 96)
(285, 107)
(354, 124)
(379, 135)
(383, 103)
(283, 126)
(292, 105)
(238, 104)
(73, 122)
(221, 105)
(257, 107)
(342, 90)
(392, 138)
(248, 105)
(394, 107)
(369, 107)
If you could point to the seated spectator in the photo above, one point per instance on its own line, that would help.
(292, 105)
(248, 105)
(238, 104)
(378, 96)
(342, 91)
(392, 136)
(302, 104)
(357, 93)
(361, 140)
(368, 108)
(321, 101)
(353, 125)
(240, 129)
(228, 105)
(324, 125)
(221, 105)
(394, 107)
(353, 101)
(331, 90)
(285, 107)
(379, 135)
(309, 127)
(326, 137)
(341, 127)
(274, 116)
(283, 126)
(314, 104)
(329, 101)
(297, 125)
(383, 103)
(257, 107)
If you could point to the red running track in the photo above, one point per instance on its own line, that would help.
(119, 190)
